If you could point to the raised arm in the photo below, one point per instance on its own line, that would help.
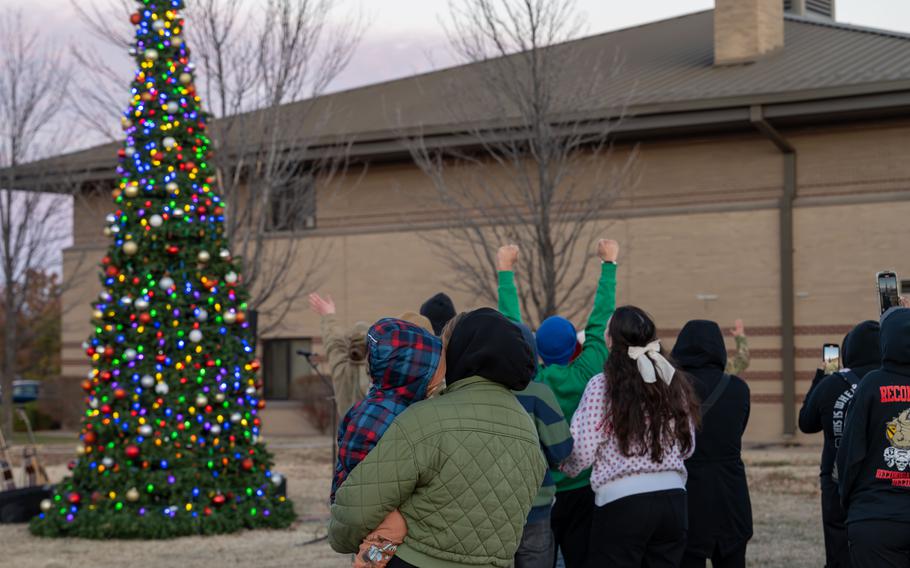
(506, 257)
(594, 354)
(333, 334)
(740, 361)
(376, 487)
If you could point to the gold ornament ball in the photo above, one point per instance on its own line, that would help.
(131, 191)
(46, 505)
(172, 187)
(151, 54)
(130, 248)
(132, 495)
(186, 78)
(230, 317)
(204, 256)
(97, 314)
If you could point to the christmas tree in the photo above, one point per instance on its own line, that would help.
(170, 438)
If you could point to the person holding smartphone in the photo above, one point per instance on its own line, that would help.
(824, 410)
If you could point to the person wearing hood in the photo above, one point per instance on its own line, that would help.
(720, 511)
(567, 368)
(538, 546)
(824, 410)
(463, 468)
(439, 310)
(873, 460)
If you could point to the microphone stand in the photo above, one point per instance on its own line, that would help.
(308, 355)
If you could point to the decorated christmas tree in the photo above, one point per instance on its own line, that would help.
(170, 439)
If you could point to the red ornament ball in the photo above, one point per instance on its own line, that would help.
(132, 452)
(74, 498)
(86, 385)
(247, 464)
(145, 318)
(90, 437)
(218, 500)
(135, 18)
(119, 394)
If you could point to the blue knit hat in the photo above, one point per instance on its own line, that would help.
(556, 340)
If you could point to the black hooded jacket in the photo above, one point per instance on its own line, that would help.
(486, 344)
(874, 455)
(826, 402)
(720, 511)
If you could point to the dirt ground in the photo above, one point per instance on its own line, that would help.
(783, 484)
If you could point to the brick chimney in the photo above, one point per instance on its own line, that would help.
(746, 30)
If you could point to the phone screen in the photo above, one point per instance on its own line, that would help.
(831, 355)
(887, 290)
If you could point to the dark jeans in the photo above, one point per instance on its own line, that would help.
(396, 562)
(571, 524)
(837, 551)
(879, 544)
(640, 531)
(736, 558)
(537, 548)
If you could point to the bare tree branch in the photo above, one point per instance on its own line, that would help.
(537, 175)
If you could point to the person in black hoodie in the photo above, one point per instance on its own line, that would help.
(824, 410)
(873, 460)
(720, 511)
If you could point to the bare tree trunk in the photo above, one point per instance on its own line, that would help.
(33, 85)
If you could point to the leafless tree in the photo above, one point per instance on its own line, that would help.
(542, 173)
(253, 58)
(33, 86)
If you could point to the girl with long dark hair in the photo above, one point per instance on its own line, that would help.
(636, 426)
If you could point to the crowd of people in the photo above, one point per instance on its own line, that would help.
(864, 411)
(470, 440)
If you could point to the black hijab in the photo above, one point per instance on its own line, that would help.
(486, 344)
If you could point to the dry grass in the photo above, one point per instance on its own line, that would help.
(784, 498)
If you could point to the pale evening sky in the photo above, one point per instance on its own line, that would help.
(406, 36)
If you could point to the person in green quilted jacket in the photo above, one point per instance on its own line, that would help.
(566, 370)
(462, 468)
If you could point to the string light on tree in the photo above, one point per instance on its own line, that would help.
(170, 436)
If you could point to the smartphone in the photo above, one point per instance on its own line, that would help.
(888, 294)
(831, 357)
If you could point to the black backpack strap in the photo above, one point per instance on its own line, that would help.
(849, 376)
(715, 395)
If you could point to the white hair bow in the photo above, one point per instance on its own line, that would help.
(651, 363)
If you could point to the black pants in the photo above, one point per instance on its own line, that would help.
(834, 524)
(879, 544)
(736, 558)
(571, 524)
(396, 562)
(640, 531)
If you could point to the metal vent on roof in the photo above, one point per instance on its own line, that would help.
(821, 7)
(811, 8)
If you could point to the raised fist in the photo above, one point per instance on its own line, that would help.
(739, 330)
(322, 306)
(608, 250)
(506, 257)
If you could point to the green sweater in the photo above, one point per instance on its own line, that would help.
(568, 381)
(463, 468)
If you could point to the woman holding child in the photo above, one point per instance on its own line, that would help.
(462, 468)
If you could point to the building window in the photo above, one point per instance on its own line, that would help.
(283, 366)
(293, 205)
(905, 286)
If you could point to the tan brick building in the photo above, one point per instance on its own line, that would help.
(773, 184)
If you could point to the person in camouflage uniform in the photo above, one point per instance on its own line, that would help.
(345, 352)
(741, 359)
